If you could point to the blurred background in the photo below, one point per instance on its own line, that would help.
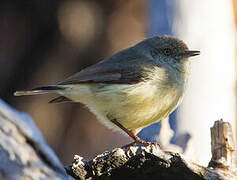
(44, 42)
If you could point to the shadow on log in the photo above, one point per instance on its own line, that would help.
(25, 155)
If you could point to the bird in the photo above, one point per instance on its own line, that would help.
(133, 88)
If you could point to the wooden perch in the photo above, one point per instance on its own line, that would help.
(138, 162)
(25, 155)
(223, 149)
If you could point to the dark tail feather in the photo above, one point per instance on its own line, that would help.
(48, 88)
(60, 99)
(39, 90)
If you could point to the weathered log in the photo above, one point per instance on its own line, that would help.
(24, 154)
(139, 162)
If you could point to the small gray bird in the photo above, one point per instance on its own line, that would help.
(132, 89)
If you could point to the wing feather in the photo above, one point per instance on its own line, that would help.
(119, 69)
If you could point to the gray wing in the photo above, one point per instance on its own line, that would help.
(116, 70)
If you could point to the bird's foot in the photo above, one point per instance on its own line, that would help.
(144, 143)
(131, 133)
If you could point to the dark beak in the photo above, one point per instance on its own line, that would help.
(190, 53)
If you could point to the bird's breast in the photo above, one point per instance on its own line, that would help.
(134, 105)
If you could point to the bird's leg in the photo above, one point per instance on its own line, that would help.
(131, 134)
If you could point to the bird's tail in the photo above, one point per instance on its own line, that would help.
(39, 90)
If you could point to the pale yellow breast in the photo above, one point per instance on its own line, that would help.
(134, 106)
(140, 105)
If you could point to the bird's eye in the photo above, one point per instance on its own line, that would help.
(167, 51)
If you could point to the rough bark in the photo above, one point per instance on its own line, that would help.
(139, 162)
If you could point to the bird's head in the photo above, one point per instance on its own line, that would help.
(169, 51)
